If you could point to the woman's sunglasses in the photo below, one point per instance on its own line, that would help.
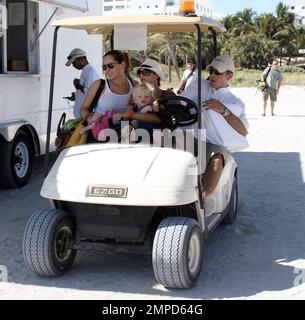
(145, 72)
(109, 65)
(215, 71)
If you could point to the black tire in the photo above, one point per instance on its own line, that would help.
(47, 242)
(16, 161)
(177, 252)
(232, 212)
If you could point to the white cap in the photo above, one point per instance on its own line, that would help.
(222, 64)
(152, 65)
(74, 54)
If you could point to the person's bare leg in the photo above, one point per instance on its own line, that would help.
(272, 107)
(212, 174)
(264, 106)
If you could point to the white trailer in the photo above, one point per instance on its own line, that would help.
(25, 68)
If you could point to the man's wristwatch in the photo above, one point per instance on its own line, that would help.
(226, 112)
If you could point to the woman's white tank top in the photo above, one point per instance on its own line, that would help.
(112, 101)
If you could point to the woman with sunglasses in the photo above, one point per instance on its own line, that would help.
(150, 73)
(116, 94)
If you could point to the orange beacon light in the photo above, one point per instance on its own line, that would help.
(187, 7)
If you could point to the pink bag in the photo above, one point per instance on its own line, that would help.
(101, 124)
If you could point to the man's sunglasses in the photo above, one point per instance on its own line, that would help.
(215, 71)
(109, 65)
(145, 72)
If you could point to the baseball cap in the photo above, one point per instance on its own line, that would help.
(74, 54)
(222, 64)
(152, 65)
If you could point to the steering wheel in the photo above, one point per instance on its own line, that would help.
(175, 114)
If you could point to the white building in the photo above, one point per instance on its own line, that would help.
(298, 8)
(110, 7)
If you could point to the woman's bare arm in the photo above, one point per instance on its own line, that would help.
(84, 109)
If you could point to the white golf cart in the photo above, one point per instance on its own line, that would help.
(130, 196)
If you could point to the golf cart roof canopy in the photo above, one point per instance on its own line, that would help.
(155, 23)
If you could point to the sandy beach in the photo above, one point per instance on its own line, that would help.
(261, 256)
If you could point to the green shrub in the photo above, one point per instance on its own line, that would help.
(291, 69)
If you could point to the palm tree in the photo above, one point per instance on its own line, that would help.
(167, 44)
(250, 39)
(285, 30)
(243, 22)
(301, 38)
(266, 24)
(228, 22)
(246, 50)
(187, 47)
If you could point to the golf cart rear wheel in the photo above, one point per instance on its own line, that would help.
(47, 242)
(16, 161)
(231, 214)
(177, 252)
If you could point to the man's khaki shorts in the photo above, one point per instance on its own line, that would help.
(207, 151)
(270, 92)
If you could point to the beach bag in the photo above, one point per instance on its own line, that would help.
(65, 130)
(62, 137)
(262, 85)
(77, 137)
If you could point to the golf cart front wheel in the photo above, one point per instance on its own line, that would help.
(177, 252)
(47, 242)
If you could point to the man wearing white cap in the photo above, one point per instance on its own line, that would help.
(78, 59)
(216, 96)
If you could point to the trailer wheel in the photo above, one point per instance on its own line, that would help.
(47, 242)
(16, 161)
(231, 214)
(177, 252)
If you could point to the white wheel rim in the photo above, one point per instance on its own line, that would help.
(21, 160)
(193, 253)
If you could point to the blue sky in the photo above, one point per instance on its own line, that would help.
(226, 7)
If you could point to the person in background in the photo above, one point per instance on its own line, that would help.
(273, 78)
(78, 59)
(189, 74)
